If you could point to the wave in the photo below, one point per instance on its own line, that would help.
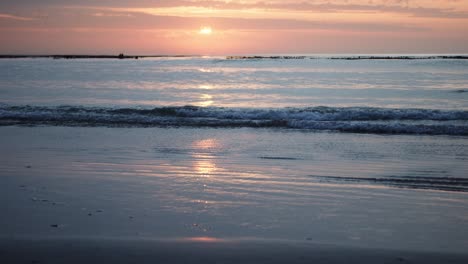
(408, 182)
(342, 119)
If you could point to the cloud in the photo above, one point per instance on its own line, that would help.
(415, 8)
(283, 10)
(239, 25)
(418, 8)
(13, 17)
(114, 14)
(91, 18)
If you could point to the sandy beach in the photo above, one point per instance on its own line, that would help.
(71, 195)
(202, 250)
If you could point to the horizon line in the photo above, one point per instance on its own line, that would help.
(258, 56)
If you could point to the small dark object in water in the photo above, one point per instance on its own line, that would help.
(54, 225)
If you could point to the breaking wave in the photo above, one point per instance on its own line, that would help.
(346, 119)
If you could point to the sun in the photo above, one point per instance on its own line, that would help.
(205, 31)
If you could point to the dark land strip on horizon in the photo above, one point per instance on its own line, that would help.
(72, 56)
(255, 57)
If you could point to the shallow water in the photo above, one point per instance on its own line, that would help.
(208, 81)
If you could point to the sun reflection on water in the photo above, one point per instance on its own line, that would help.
(205, 167)
(206, 100)
(206, 86)
(205, 70)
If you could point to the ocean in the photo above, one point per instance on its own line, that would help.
(360, 152)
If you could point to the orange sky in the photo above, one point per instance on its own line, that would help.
(238, 26)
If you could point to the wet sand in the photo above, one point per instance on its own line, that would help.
(201, 250)
(72, 195)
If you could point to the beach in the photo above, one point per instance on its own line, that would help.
(210, 160)
(64, 183)
(80, 250)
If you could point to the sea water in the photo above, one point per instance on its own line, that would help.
(355, 152)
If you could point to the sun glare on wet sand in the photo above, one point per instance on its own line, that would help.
(206, 31)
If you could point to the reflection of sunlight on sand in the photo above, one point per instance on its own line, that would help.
(203, 239)
(205, 144)
(203, 158)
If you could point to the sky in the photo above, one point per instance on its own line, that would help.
(230, 27)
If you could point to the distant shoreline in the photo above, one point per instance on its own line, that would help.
(354, 57)
(253, 57)
(71, 56)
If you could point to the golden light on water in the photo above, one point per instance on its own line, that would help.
(206, 31)
(205, 168)
(206, 100)
(205, 86)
